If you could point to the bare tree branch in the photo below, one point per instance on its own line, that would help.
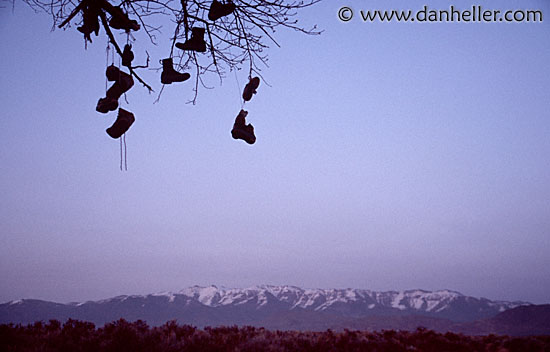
(236, 39)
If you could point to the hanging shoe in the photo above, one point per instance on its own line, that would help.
(241, 130)
(123, 83)
(219, 10)
(104, 105)
(120, 20)
(250, 88)
(124, 120)
(196, 42)
(127, 56)
(90, 22)
(112, 73)
(169, 75)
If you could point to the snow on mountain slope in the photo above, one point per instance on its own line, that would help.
(327, 299)
(214, 305)
(356, 302)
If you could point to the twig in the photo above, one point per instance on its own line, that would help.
(115, 44)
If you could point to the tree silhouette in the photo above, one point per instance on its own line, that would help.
(208, 36)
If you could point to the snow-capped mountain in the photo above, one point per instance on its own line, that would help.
(263, 305)
(356, 302)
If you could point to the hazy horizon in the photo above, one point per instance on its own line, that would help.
(389, 156)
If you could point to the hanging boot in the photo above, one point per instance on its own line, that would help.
(196, 43)
(127, 56)
(124, 120)
(104, 105)
(219, 10)
(123, 83)
(241, 130)
(250, 88)
(120, 20)
(112, 73)
(169, 75)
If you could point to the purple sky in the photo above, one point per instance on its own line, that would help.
(388, 157)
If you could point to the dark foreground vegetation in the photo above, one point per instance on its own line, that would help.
(123, 336)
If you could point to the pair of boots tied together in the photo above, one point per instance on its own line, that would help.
(123, 83)
(240, 129)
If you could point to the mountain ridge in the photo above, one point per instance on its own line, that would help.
(270, 305)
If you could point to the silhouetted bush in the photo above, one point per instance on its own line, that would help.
(121, 336)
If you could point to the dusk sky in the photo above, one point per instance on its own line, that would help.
(389, 156)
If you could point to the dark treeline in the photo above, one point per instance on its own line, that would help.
(123, 336)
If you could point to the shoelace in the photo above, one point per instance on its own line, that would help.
(123, 140)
